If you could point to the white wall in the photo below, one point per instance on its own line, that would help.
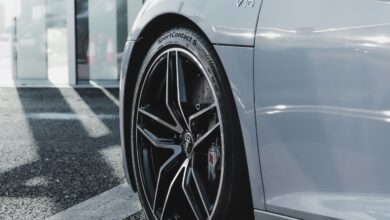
(31, 40)
(103, 40)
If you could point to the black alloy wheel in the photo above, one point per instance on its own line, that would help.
(178, 133)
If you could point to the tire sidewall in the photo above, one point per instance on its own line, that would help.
(185, 38)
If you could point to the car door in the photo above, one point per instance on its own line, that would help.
(322, 93)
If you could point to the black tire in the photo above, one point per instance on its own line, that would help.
(234, 199)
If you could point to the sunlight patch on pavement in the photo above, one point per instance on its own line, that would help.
(36, 203)
(109, 155)
(93, 125)
(20, 137)
(37, 181)
(106, 92)
(69, 116)
(117, 203)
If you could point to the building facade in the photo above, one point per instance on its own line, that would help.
(63, 42)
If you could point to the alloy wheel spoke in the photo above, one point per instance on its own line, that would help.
(157, 142)
(173, 86)
(201, 191)
(159, 120)
(205, 135)
(175, 178)
(169, 97)
(166, 172)
(196, 208)
(181, 87)
(201, 113)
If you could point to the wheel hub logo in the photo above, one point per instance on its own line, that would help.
(187, 143)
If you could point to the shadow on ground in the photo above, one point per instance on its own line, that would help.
(59, 147)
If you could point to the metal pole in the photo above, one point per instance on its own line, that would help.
(71, 26)
(14, 49)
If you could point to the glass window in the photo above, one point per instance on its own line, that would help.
(82, 39)
(102, 28)
(33, 40)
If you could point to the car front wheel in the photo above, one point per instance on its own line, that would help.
(187, 149)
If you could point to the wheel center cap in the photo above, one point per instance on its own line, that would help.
(187, 143)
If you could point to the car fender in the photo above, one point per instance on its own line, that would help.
(224, 22)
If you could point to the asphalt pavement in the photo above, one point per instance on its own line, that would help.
(58, 148)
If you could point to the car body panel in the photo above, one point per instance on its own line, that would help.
(238, 64)
(263, 215)
(322, 76)
(223, 22)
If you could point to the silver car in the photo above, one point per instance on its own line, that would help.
(258, 109)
